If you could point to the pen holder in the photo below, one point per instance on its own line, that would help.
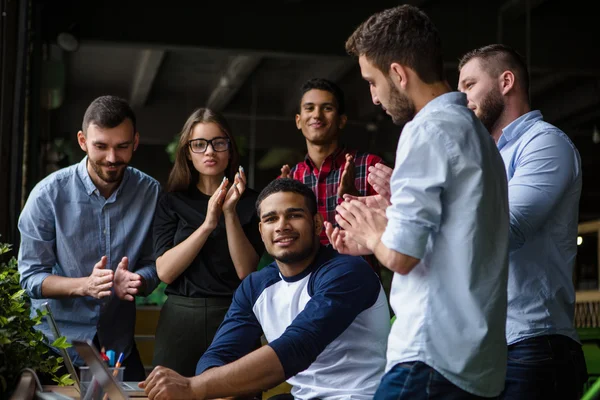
(91, 388)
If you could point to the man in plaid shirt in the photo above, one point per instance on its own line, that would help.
(329, 169)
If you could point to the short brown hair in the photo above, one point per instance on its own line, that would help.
(402, 34)
(108, 112)
(183, 174)
(497, 58)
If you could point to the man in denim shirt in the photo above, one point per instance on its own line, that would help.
(543, 167)
(86, 240)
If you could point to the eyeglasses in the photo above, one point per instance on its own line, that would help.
(200, 145)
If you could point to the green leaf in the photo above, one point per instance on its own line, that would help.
(18, 295)
(65, 380)
(61, 343)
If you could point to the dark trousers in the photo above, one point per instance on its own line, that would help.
(545, 367)
(186, 327)
(418, 381)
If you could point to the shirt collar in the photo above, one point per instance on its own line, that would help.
(519, 126)
(442, 100)
(322, 256)
(338, 156)
(90, 187)
(85, 176)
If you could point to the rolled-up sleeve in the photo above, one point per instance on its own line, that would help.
(546, 168)
(146, 265)
(37, 254)
(421, 172)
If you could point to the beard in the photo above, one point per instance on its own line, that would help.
(294, 257)
(400, 107)
(108, 176)
(490, 109)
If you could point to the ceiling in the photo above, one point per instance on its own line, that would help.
(248, 60)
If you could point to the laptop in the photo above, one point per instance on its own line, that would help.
(102, 375)
(130, 388)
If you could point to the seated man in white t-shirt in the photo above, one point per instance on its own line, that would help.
(325, 316)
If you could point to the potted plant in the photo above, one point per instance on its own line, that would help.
(21, 346)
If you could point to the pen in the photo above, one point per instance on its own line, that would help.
(103, 354)
(116, 371)
(118, 364)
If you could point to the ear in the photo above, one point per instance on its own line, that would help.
(298, 122)
(81, 139)
(506, 81)
(318, 219)
(343, 120)
(260, 230)
(136, 141)
(399, 75)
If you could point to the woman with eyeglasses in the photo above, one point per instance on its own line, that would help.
(206, 240)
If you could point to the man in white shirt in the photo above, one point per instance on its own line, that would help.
(445, 233)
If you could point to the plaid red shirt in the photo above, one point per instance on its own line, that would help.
(325, 182)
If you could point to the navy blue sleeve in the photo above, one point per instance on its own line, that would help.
(342, 289)
(240, 331)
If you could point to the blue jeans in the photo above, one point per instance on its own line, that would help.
(417, 381)
(545, 367)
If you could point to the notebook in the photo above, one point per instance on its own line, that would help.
(131, 388)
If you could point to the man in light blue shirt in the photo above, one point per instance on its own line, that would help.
(545, 359)
(445, 233)
(86, 240)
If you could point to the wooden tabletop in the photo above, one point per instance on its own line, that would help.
(71, 391)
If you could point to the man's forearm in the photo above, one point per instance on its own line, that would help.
(59, 286)
(259, 370)
(393, 260)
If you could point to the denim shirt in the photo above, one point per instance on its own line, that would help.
(66, 227)
(450, 210)
(544, 186)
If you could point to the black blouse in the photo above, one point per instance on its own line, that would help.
(212, 273)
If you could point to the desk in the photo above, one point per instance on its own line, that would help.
(72, 392)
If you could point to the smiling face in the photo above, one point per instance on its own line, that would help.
(384, 93)
(288, 229)
(210, 162)
(109, 151)
(483, 92)
(319, 118)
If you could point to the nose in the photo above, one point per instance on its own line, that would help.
(111, 156)
(209, 149)
(317, 112)
(374, 96)
(282, 225)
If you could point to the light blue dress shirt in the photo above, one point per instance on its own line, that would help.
(450, 210)
(544, 185)
(66, 227)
